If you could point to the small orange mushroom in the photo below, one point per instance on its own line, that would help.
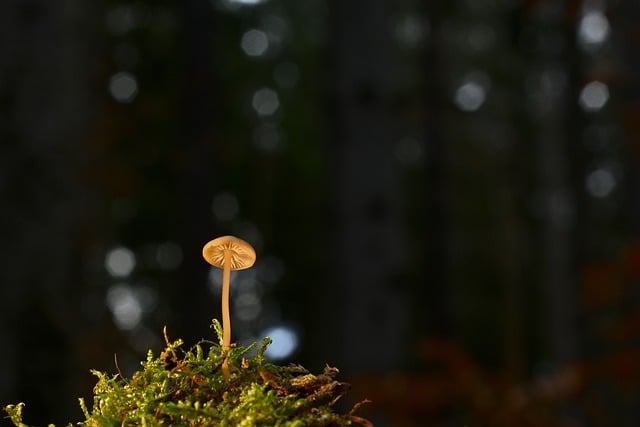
(228, 253)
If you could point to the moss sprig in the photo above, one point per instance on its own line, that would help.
(189, 388)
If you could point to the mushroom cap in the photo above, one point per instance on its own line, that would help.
(242, 254)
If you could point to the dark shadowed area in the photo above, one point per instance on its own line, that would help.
(444, 198)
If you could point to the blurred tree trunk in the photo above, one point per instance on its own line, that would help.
(628, 17)
(435, 295)
(551, 65)
(194, 304)
(47, 102)
(372, 314)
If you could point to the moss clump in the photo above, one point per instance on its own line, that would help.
(187, 388)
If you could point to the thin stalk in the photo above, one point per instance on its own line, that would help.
(226, 317)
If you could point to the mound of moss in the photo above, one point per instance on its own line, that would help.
(187, 388)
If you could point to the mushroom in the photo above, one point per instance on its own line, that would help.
(228, 253)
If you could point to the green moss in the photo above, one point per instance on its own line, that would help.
(187, 388)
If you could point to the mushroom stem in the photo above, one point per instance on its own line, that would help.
(226, 317)
(228, 253)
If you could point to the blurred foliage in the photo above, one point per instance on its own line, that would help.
(450, 388)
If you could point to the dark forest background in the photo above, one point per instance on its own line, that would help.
(443, 195)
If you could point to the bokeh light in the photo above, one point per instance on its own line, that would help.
(410, 31)
(265, 101)
(600, 183)
(470, 96)
(123, 86)
(594, 96)
(125, 306)
(285, 342)
(120, 262)
(593, 29)
(254, 43)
